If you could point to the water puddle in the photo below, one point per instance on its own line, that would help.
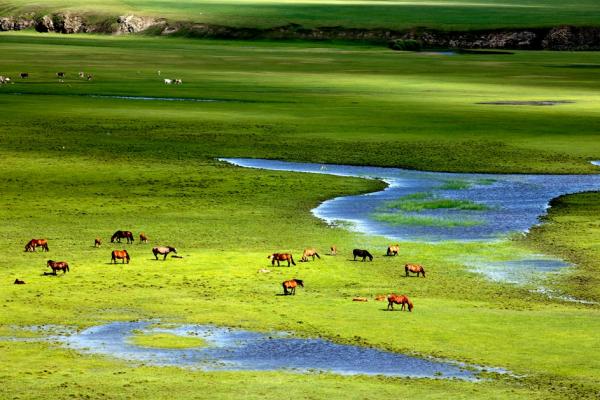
(236, 349)
(519, 271)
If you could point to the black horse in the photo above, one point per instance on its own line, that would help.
(118, 235)
(362, 253)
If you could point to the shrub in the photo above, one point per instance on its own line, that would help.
(405, 45)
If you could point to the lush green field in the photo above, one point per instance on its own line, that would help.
(395, 14)
(570, 231)
(76, 167)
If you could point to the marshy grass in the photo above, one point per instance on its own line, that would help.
(421, 201)
(163, 340)
(423, 220)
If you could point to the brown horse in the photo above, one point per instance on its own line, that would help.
(19, 282)
(414, 268)
(143, 238)
(393, 250)
(97, 242)
(333, 250)
(118, 235)
(291, 284)
(121, 255)
(33, 243)
(310, 253)
(163, 250)
(58, 266)
(281, 257)
(402, 299)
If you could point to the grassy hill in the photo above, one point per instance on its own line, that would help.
(393, 14)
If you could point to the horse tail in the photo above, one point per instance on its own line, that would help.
(292, 259)
(318, 256)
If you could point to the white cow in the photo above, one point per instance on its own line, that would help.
(178, 81)
(168, 81)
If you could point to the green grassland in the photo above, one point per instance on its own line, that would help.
(395, 14)
(570, 231)
(76, 167)
(166, 340)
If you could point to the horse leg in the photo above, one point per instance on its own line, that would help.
(165, 256)
(284, 289)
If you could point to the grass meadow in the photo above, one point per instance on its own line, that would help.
(395, 14)
(79, 164)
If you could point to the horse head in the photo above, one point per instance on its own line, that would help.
(299, 282)
(173, 249)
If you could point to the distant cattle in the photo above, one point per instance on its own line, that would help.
(168, 81)
(178, 81)
(60, 74)
(81, 74)
(97, 242)
(24, 75)
(4, 79)
(19, 282)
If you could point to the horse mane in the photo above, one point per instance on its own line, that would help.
(299, 282)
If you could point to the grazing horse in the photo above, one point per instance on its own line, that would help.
(291, 284)
(310, 253)
(143, 238)
(393, 250)
(24, 75)
(19, 282)
(414, 268)
(58, 266)
(121, 255)
(333, 250)
(118, 235)
(97, 242)
(281, 257)
(362, 253)
(33, 243)
(163, 250)
(395, 299)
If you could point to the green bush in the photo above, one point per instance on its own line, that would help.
(405, 45)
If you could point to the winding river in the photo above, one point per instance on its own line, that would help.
(434, 207)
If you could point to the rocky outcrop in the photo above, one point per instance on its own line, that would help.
(15, 24)
(572, 38)
(135, 24)
(557, 38)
